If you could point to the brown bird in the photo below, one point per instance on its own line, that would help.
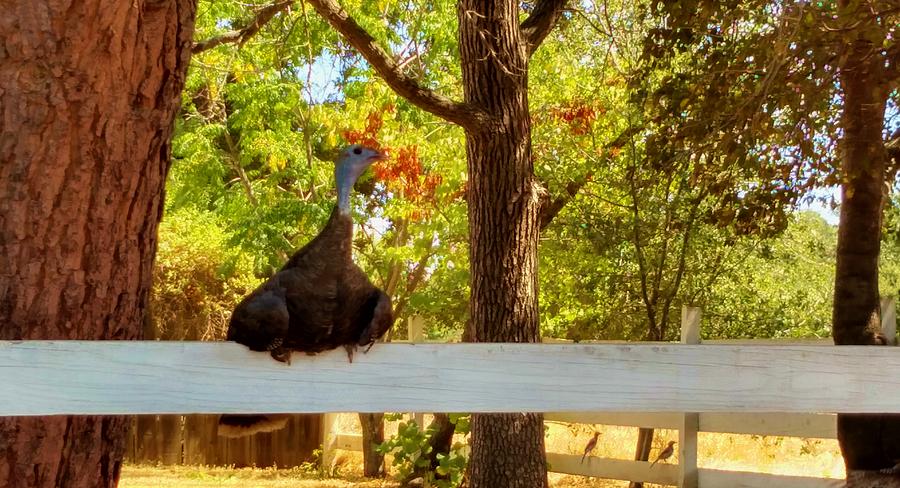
(665, 453)
(590, 446)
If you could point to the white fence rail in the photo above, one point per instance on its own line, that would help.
(117, 377)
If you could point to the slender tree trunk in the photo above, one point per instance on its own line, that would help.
(504, 205)
(642, 450)
(868, 442)
(440, 442)
(373, 435)
(88, 95)
(504, 200)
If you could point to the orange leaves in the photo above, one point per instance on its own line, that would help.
(369, 135)
(579, 116)
(404, 175)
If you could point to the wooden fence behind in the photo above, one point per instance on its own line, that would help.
(192, 439)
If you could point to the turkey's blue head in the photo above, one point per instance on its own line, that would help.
(351, 163)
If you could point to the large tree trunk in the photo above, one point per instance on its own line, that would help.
(503, 210)
(88, 95)
(868, 442)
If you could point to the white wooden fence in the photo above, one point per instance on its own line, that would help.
(117, 377)
(686, 473)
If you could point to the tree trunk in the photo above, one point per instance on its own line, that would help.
(642, 451)
(88, 95)
(440, 442)
(868, 442)
(503, 209)
(372, 435)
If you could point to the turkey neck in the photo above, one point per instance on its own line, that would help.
(345, 176)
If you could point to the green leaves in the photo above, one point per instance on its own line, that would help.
(410, 449)
(676, 150)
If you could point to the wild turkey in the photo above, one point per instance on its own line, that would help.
(318, 301)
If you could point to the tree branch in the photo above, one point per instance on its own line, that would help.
(459, 113)
(541, 21)
(241, 35)
(551, 208)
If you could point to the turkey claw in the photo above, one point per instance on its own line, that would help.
(281, 354)
(350, 349)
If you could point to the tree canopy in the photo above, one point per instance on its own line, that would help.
(672, 176)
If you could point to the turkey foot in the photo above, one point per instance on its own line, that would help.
(278, 352)
(281, 354)
(350, 349)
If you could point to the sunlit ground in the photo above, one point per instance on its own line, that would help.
(776, 455)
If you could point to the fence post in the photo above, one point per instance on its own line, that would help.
(416, 334)
(690, 423)
(416, 329)
(889, 319)
(329, 439)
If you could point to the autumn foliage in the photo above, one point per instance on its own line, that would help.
(403, 174)
(577, 115)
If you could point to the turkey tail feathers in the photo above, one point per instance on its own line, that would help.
(244, 425)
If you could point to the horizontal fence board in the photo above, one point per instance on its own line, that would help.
(770, 342)
(348, 442)
(822, 426)
(655, 420)
(616, 469)
(714, 478)
(122, 377)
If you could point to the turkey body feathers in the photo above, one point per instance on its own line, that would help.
(318, 301)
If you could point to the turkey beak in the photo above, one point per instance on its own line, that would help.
(378, 156)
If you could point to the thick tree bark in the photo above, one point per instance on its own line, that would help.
(88, 96)
(503, 207)
(868, 442)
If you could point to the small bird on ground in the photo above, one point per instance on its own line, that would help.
(665, 453)
(590, 446)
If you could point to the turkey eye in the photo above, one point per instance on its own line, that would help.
(357, 151)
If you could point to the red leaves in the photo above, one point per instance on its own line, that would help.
(403, 175)
(579, 116)
(369, 136)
